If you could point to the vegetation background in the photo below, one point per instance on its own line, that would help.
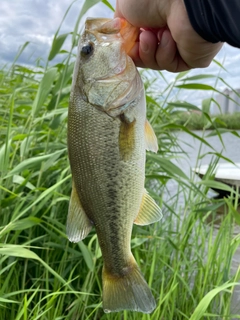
(42, 275)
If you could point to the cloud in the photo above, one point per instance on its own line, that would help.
(37, 21)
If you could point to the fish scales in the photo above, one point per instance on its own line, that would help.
(101, 158)
(107, 137)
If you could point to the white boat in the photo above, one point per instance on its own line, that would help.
(227, 173)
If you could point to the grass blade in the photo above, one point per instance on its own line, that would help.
(35, 162)
(57, 45)
(108, 4)
(204, 303)
(44, 89)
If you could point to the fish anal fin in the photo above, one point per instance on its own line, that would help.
(78, 224)
(150, 138)
(149, 211)
(127, 291)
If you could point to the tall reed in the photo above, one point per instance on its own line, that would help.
(42, 275)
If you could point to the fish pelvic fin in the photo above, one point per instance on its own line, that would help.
(128, 291)
(149, 211)
(78, 224)
(150, 138)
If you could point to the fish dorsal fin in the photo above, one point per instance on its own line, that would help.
(149, 211)
(78, 224)
(150, 138)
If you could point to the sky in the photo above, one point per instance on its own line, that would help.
(36, 21)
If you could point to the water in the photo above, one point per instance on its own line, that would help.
(230, 149)
(194, 149)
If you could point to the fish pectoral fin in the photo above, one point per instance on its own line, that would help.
(126, 137)
(150, 138)
(78, 224)
(149, 211)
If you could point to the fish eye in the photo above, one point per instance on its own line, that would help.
(87, 50)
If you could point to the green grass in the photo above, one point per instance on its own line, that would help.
(44, 276)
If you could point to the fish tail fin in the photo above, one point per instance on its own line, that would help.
(128, 291)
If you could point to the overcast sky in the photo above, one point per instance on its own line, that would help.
(37, 21)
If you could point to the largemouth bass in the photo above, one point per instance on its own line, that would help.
(108, 135)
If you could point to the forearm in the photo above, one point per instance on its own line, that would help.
(216, 20)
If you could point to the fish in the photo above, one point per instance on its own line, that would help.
(108, 135)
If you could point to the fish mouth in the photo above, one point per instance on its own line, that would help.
(126, 31)
(117, 27)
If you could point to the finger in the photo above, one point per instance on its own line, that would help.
(118, 12)
(134, 54)
(143, 52)
(148, 43)
(147, 53)
(167, 55)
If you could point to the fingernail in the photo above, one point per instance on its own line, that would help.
(159, 34)
(143, 45)
(164, 39)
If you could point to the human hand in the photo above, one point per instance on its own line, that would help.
(167, 41)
